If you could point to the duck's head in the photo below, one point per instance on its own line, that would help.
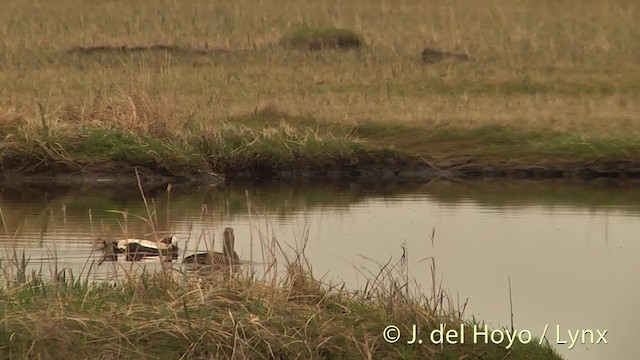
(170, 240)
(229, 239)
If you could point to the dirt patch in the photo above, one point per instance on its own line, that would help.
(105, 54)
(321, 39)
(111, 175)
(389, 166)
(578, 169)
(432, 56)
(172, 49)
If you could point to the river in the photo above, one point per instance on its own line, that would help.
(561, 256)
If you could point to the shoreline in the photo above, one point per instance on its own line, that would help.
(376, 168)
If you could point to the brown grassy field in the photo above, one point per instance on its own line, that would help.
(568, 73)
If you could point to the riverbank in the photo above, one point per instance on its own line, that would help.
(269, 144)
(209, 314)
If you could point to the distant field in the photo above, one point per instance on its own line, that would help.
(196, 72)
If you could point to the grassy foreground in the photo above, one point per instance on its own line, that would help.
(183, 87)
(212, 315)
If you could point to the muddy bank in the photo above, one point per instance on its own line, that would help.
(367, 167)
(566, 169)
(391, 166)
(111, 175)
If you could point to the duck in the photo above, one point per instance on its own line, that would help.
(227, 257)
(168, 244)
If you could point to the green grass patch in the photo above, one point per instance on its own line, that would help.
(270, 139)
(89, 146)
(499, 142)
(118, 145)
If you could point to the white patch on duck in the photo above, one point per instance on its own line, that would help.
(166, 244)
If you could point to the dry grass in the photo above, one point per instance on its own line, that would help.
(161, 316)
(135, 128)
(549, 66)
(573, 50)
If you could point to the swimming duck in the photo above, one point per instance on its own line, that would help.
(164, 245)
(227, 257)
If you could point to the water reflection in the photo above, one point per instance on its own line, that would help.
(569, 251)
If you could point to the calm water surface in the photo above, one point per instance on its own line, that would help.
(571, 252)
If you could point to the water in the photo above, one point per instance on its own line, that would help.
(570, 251)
